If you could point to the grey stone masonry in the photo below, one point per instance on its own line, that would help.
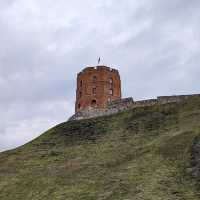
(126, 104)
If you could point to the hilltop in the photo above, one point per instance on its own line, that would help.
(147, 153)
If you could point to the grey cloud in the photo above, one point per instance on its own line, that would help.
(154, 44)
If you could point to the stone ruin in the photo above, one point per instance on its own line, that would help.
(127, 104)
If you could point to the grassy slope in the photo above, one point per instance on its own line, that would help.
(135, 155)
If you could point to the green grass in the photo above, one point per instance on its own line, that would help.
(141, 154)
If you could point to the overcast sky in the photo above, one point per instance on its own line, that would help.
(155, 44)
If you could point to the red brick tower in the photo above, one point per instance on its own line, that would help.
(96, 86)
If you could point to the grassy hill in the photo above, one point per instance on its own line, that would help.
(141, 154)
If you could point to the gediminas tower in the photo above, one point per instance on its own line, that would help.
(96, 86)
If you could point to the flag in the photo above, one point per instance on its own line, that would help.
(99, 60)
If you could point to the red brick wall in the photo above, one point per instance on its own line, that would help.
(97, 91)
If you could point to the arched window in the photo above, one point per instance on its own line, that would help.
(93, 103)
(94, 79)
(79, 106)
(94, 90)
(81, 83)
(80, 94)
(111, 92)
(110, 80)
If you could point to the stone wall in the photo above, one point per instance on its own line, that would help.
(121, 104)
(93, 112)
(126, 104)
(175, 98)
(143, 103)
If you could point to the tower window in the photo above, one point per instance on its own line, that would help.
(79, 106)
(80, 94)
(93, 103)
(94, 90)
(110, 80)
(111, 92)
(81, 83)
(94, 78)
